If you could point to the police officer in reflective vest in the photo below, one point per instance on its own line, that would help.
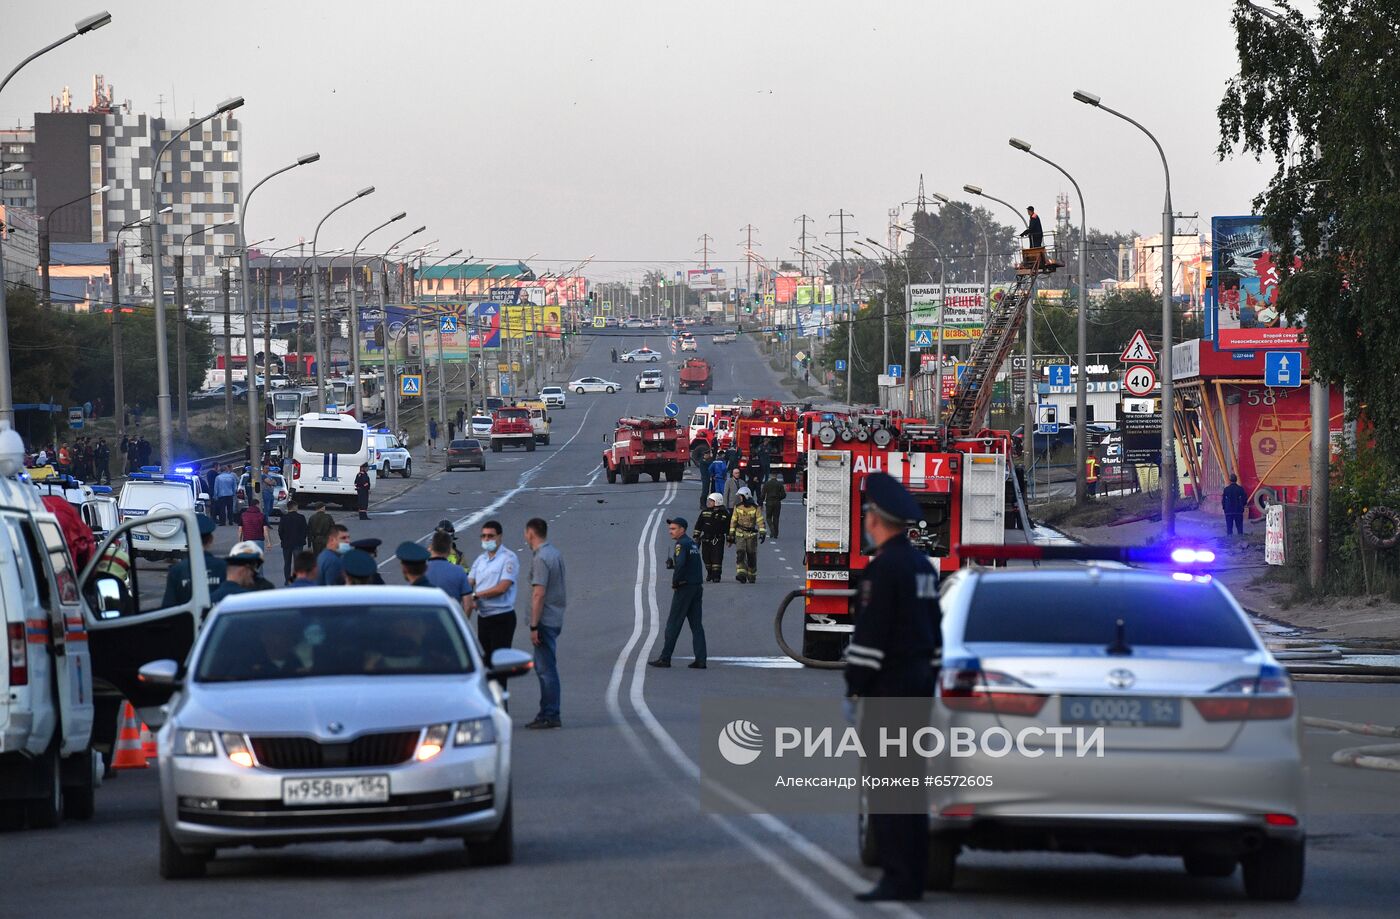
(891, 656)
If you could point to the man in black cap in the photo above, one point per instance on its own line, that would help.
(359, 568)
(891, 656)
(177, 581)
(687, 587)
(454, 555)
(413, 561)
(369, 545)
(1033, 233)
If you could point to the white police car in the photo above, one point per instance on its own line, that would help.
(151, 492)
(387, 455)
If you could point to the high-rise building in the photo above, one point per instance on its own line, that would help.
(75, 152)
(17, 149)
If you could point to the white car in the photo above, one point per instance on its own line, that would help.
(593, 384)
(1199, 756)
(334, 714)
(153, 493)
(387, 455)
(554, 396)
(640, 355)
(632, 323)
(480, 425)
(649, 381)
(688, 343)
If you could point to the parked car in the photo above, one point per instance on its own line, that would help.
(466, 454)
(279, 493)
(593, 384)
(387, 455)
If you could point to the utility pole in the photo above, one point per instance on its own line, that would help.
(301, 361)
(841, 232)
(267, 325)
(748, 264)
(182, 401)
(792, 307)
(44, 262)
(705, 240)
(118, 389)
(228, 354)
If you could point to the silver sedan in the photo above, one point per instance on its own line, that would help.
(1197, 753)
(593, 384)
(334, 714)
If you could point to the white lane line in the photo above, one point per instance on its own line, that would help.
(780, 866)
(819, 857)
(525, 477)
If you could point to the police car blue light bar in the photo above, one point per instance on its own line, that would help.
(1180, 556)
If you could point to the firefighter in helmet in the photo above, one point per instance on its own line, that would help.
(746, 531)
(710, 531)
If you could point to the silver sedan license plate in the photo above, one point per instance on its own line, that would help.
(345, 789)
(1121, 711)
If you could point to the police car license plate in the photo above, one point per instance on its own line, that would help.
(1121, 711)
(345, 789)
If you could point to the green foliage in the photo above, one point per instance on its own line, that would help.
(1321, 96)
(1112, 321)
(43, 349)
(91, 374)
(1365, 478)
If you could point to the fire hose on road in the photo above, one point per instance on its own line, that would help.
(782, 611)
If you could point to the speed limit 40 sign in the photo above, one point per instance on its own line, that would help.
(1139, 380)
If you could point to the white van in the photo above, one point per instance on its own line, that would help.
(94, 503)
(152, 493)
(327, 452)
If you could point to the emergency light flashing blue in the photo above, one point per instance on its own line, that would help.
(150, 469)
(1185, 555)
(1188, 557)
(101, 489)
(185, 470)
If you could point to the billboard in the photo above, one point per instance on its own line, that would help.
(1245, 287)
(705, 279)
(964, 305)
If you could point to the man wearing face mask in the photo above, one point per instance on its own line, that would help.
(492, 578)
(329, 564)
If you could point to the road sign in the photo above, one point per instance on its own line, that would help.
(895, 370)
(1140, 380)
(599, 322)
(1283, 368)
(840, 366)
(923, 338)
(672, 409)
(1045, 422)
(448, 325)
(1138, 350)
(411, 384)
(1059, 375)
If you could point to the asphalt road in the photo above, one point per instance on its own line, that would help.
(608, 813)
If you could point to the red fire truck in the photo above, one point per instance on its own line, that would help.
(960, 484)
(768, 422)
(655, 446)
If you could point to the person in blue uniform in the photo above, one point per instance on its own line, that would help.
(413, 561)
(370, 546)
(177, 581)
(687, 588)
(242, 570)
(891, 656)
(358, 567)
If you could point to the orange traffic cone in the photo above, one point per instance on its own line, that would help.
(128, 753)
(148, 742)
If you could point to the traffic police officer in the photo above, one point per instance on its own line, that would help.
(177, 581)
(369, 546)
(359, 568)
(413, 560)
(891, 655)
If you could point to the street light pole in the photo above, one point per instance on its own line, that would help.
(7, 404)
(316, 292)
(383, 314)
(255, 405)
(167, 439)
(1081, 389)
(1164, 358)
(986, 248)
(355, 317)
(942, 280)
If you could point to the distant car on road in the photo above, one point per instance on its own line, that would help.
(480, 426)
(466, 454)
(640, 355)
(688, 343)
(554, 396)
(593, 384)
(633, 323)
(334, 714)
(650, 381)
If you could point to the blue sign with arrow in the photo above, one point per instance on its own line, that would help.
(1283, 368)
(1059, 374)
(672, 409)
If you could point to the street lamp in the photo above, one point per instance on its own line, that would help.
(942, 301)
(44, 236)
(255, 406)
(986, 246)
(7, 405)
(355, 316)
(167, 432)
(1164, 358)
(1081, 389)
(390, 415)
(316, 291)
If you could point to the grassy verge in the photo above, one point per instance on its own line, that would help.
(1099, 512)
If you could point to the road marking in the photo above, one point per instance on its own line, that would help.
(521, 483)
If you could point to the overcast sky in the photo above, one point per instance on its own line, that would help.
(625, 130)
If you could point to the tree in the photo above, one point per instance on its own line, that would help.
(43, 349)
(90, 377)
(1321, 96)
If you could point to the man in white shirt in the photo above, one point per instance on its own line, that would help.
(492, 578)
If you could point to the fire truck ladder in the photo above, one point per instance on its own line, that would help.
(967, 409)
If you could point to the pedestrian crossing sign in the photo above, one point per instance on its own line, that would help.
(448, 325)
(599, 322)
(1138, 350)
(411, 384)
(923, 338)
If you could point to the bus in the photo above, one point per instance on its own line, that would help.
(327, 451)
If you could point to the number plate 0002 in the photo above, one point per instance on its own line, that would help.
(352, 789)
(1121, 711)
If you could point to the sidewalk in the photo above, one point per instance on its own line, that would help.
(1243, 571)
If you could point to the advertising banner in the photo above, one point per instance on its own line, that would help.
(1245, 281)
(705, 278)
(785, 287)
(964, 305)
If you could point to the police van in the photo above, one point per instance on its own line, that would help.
(152, 492)
(73, 643)
(327, 452)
